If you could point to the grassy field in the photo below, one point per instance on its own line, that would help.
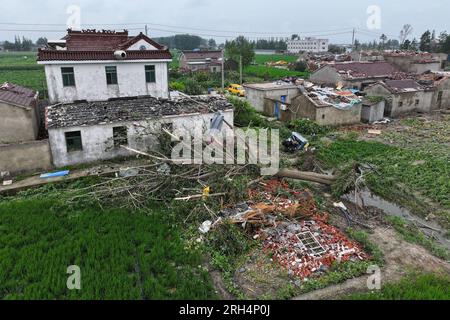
(21, 68)
(272, 73)
(412, 287)
(121, 254)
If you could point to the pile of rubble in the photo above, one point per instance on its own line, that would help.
(293, 229)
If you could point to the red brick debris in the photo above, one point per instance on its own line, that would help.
(305, 245)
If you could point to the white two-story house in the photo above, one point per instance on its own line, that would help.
(99, 65)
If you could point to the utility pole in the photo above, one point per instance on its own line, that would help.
(146, 30)
(240, 68)
(353, 40)
(223, 71)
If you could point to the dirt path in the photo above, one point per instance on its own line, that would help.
(400, 257)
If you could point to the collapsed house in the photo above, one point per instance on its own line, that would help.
(439, 82)
(416, 62)
(89, 131)
(402, 96)
(326, 106)
(356, 75)
(210, 61)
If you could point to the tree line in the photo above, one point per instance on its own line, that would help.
(24, 44)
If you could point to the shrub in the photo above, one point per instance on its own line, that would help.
(177, 85)
(308, 127)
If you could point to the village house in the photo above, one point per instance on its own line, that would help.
(402, 96)
(356, 75)
(20, 151)
(372, 109)
(98, 65)
(19, 116)
(416, 62)
(439, 82)
(270, 98)
(210, 61)
(89, 131)
(325, 106)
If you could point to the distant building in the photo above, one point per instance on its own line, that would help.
(98, 65)
(402, 96)
(308, 44)
(210, 61)
(439, 82)
(89, 131)
(19, 116)
(356, 75)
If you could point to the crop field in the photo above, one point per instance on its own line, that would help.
(263, 58)
(272, 73)
(21, 68)
(121, 254)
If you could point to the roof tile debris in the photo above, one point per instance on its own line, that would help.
(403, 85)
(365, 69)
(101, 45)
(292, 229)
(18, 95)
(129, 109)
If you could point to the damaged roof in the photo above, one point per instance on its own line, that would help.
(398, 86)
(18, 95)
(204, 54)
(365, 69)
(129, 109)
(101, 45)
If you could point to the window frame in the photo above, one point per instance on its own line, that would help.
(111, 76)
(121, 140)
(68, 77)
(73, 147)
(150, 70)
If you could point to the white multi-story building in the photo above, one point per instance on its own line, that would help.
(99, 65)
(307, 45)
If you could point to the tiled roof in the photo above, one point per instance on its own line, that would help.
(62, 55)
(403, 84)
(18, 95)
(101, 45)
(202, 54)
(129, 109)
(365, 69)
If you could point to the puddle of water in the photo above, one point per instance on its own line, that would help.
(365, 198)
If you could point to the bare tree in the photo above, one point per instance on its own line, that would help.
(405, 33)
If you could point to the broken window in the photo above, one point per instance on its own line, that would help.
(120, 136)
(111, 75)
(417, 102)
(68, 76)
(73, 141)
(400, 104)
(150, 75)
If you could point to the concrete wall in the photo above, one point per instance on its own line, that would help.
(257, 97)
(90, 81)
(402, 102)
(407, 64)
(326, 75)
(24, 157)
(17, 124)
(419, 68)
(143, 135)
(372, 113)
(444, 88)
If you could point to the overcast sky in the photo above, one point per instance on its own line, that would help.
(220, 19)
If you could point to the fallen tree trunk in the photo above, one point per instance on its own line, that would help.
(307, 176)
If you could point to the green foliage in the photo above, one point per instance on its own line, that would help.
(122, 254)
(240, 47)
(394, 165)
(177, 85)
(262, 59)
(300, 66)
(308, 127)
(371, 248)
(245, 115)
(412, 287)
(192, 87)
